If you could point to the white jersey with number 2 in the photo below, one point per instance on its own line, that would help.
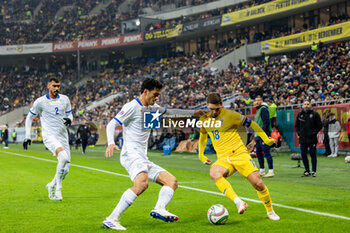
(52, 112)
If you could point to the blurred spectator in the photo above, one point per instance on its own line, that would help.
(93, 139)
(5, 137)
(333, 134)
(348, 128)
(83, 134)
(325, 124)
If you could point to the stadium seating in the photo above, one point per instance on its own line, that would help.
(75, 23)
(319, 76)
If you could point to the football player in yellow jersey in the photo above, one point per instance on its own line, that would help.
(232, 155)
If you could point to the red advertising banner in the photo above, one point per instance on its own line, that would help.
(64, 46)
(342, 113)
(132, 38)
(97, 43)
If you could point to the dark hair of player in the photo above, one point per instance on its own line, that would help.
(150, 84)
(56, 80)
(214, 98)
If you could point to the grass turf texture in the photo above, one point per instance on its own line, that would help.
(89, 196)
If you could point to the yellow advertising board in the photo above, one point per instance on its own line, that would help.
(164, 33)
(330, 33)
(263, 10)
(37, 132)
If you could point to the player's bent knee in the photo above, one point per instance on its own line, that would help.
(259, 185)
(174, 184)
(214, 175)
(170, 182)
(140, 187)
(58, 150)
(217, 171)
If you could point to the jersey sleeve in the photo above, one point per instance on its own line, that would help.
(68, 108)
(202, 129)
(161, 109)
(36, 109)
(125, 114)
(236, 118)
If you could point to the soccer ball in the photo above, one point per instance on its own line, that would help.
(347, 159)
(217, 214)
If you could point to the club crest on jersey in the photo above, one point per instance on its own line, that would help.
(151, 120)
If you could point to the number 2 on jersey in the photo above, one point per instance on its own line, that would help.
(56, 109)
(216, 135)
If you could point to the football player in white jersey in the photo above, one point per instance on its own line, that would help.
(55, 115)
(134, 157)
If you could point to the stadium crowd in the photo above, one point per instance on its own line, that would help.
(76, 23)
(206, 15)
(320, 75)
(18, 9)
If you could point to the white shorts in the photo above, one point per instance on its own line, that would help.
(54, 142)
(143, 165)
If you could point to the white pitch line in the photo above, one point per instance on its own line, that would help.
(274, 204)
(190, 188)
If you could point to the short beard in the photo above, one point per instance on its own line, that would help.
(54, 94)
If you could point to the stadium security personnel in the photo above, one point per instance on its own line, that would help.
(266, 58)
(83, 133)
(14, 136)
(262, 118)
(273, 114)
(314, 47)
(307, 125)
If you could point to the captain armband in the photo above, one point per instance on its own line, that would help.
(247, 122)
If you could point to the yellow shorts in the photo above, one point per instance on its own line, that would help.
(238, 161)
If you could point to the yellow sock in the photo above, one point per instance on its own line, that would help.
(265, 198)
(226, 188)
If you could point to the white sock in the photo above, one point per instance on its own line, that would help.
(262, 170)
(270, 170)
(237, 201)
(66, 170)
(62, 158)
(125, 201)
(165, 195)
(53, 181)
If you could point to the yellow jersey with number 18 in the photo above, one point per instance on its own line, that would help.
(226, 139)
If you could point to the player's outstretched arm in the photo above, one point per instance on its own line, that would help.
(202, 143)
(68, 120)
(268, 141)
(110, 138)
(28, 125)
(180, 112)
(69, 116)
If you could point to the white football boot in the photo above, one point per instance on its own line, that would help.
(58, 195)
(51, 190)
(164, 215)
(113, 224)
(241, 207)
(273, 216)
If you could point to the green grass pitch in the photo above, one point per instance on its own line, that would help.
(90, 195)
